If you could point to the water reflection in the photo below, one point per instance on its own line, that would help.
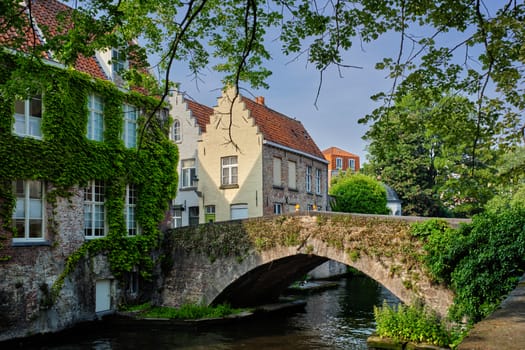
(339, 318)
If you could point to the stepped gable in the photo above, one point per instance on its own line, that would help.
(281, 129)
(200, 112)
(338, 151)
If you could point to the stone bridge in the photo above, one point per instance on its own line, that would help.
(250, 262)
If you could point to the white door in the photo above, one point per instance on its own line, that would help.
(103, 295)
(239, 211)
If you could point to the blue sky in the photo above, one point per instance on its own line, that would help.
(293, 87)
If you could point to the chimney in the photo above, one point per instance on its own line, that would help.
(260, 100)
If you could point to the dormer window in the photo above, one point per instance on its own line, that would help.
(118, 63)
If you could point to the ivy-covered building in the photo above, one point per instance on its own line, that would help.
(84, 183)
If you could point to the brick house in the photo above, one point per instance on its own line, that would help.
(72, 175)
(189, 122)
(340, 160)
(256, 161)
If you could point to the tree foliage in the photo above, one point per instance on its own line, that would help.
(444, 45)
(357, 193)
(472, 48)
(482, 261)
(435, 154)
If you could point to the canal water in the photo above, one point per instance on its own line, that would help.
(340, 318)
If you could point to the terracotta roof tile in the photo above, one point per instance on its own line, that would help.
(47, 15)
(338, 151)
(280, 129)
(8, 35)
(201, 113)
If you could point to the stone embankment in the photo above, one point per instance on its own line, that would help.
(504, 329)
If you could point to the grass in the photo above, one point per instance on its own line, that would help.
(185, 312)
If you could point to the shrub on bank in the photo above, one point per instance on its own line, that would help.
(414, 324)
(185, 312)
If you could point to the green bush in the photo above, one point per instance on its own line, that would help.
(481, 262)
(357, 193)
(415, 324)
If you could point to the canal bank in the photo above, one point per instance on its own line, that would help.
(340, 318)
(504, 329)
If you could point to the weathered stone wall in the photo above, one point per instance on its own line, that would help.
(379, 246)
(26, 306)
(283, 194)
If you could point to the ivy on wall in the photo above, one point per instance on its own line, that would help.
(66, 158)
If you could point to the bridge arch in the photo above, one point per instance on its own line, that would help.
(283, 249)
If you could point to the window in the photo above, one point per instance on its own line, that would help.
(193, 216)
(118, 62)
(277, 172)
(130, 126)
(28, 117)
(351, 164)
(132, 226)
(94, 211)
(292, 183)
(133, 282)
(209, 215)
(239, 211)
(277, 208)
(176, 131)
(28, 216)
(95, 127)
(339, 163)
(229, 170)
(318, 181)
(177, 218)
(308, 179)
(188, 173)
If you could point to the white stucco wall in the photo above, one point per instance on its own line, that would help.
(190, 135)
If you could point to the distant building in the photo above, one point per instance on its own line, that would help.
(392, 201)
(340, 160)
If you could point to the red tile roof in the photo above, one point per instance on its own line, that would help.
(339, 152)
(45, 14)
(280, 129)
(200, 112)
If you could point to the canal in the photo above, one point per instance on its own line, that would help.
(339, 318)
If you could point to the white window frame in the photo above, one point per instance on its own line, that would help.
(351, 164)
(176, 220)
(229, 171)
(31, 124)
(308, 179)
(95, 126)
(317, 181)
(277, 208)
(130, 211)
(176, 131)
(92, 206)
(188, 173)
(339, 163)
(118, 63)
(292, 175)
(29, 210)
(129, 134)
(277, 181)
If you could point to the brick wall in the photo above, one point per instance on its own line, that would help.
(284, 195)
